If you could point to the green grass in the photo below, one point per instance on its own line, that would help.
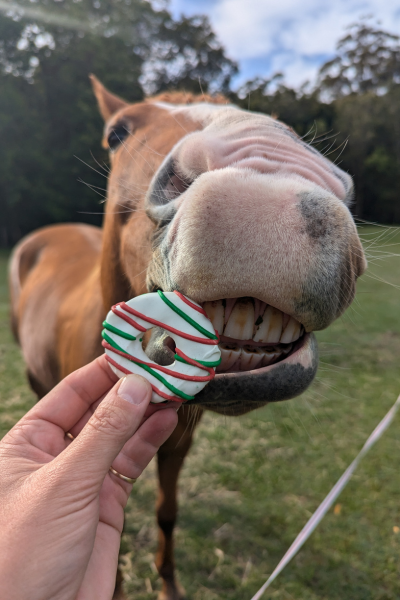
(250, 483)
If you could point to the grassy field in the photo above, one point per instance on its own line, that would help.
(251, 483)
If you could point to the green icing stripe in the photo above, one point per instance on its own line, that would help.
(166, 383)
(127, 336)
(111, 342)
(211, 363)
(148, 369)
(188, 319)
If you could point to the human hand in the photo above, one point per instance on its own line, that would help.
(62, 511)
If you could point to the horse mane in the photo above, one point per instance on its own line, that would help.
(183, 97)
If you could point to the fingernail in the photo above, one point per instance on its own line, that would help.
(134, 389)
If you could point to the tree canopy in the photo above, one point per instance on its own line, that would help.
(48, 115)
(367, 60)
(51, 129)
(351, 114)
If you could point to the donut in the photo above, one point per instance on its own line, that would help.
(196, 353)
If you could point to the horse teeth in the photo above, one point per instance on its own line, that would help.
(241, 321)
(291, 331)
(216, 313)
(270, 329)
(251, 358)
(248, 358)
(229, 304)
(236, 318)
(287, 349)
(229, 355)
(270, 357)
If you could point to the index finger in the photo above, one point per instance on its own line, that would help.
(71, 398)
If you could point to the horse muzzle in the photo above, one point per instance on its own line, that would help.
(272, 258)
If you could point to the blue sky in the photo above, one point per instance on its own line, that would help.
(291, 36)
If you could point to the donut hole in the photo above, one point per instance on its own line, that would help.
(170, 345)
(159, 346)
(146, 338)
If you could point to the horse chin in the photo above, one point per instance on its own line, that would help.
(236, 393)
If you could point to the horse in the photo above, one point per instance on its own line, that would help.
(230, 208)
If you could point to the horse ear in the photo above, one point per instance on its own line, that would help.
(108, 103)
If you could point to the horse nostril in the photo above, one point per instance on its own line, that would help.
(175, 185)
(168, 184)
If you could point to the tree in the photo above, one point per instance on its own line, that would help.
(362, 83)
(48, 114)
(356, 100)
(367, 60)
(187, 54)
(372, 157)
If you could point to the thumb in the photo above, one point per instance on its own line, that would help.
(113, 423)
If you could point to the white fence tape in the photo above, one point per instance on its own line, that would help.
(330, 499)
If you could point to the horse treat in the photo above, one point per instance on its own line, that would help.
(196, 344)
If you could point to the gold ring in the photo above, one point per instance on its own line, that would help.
(123, 477)
(113, 471)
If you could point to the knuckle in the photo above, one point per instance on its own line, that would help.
(136, 465)
(147, 444)
(110, 419)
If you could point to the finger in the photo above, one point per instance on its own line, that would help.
(152, 408)
(115, 420)
(99, 579)
(140, 449)
(77, 428)
(69, 400)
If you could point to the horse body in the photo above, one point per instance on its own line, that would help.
(232, 209)
(55, 291)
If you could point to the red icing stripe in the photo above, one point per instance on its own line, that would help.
(164, 369)
(187, 336)
(155, 389)
(193, 362)
(191, 304)
(126, 318)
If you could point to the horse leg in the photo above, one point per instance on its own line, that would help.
(119, 592)
(36, 386)
(170, 460)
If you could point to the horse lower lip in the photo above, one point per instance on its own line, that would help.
(240, 392)
(152, 408)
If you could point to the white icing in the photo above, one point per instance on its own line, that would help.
(152, 306)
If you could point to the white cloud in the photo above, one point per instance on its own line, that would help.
(251, 28)
(296, 69)
(294, 36)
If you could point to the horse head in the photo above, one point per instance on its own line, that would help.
(233, 209)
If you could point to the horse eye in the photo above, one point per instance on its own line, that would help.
(116, 136)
